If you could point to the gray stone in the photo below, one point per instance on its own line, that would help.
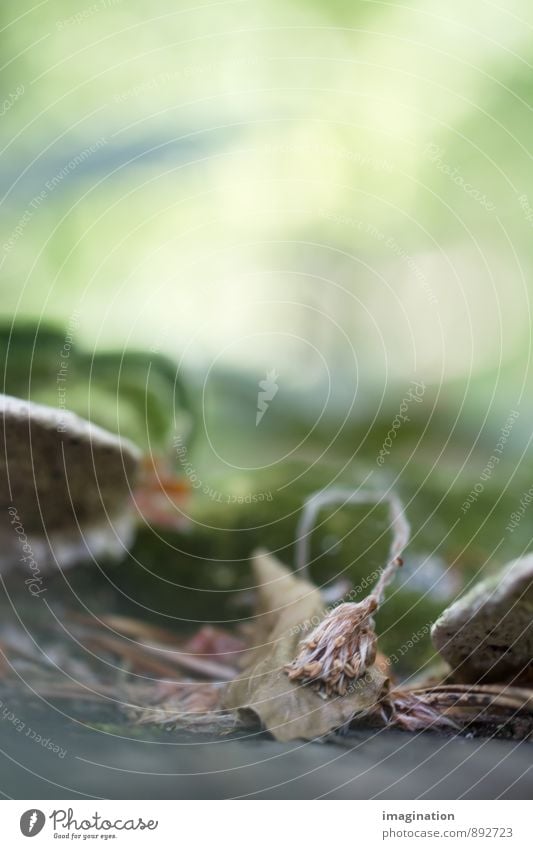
(488, 633)
(64, 486)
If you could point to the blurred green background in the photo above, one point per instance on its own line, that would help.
(339, 192)
(238, 156)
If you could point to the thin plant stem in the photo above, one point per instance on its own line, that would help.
(399, 526)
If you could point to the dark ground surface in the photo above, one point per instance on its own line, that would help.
(172, 765)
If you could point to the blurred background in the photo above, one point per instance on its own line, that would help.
(287, 246)
(269, 230)
(329, 187)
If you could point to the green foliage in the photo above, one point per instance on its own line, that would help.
(140, 395)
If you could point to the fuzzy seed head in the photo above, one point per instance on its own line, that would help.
(339, 650)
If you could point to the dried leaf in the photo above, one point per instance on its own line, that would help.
(290, 607)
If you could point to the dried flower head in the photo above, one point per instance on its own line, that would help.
(343, 646)
(339, 650)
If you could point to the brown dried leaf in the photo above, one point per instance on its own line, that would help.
(290, 607)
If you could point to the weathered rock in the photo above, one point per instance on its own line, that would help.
(64, 486)
(487, 635)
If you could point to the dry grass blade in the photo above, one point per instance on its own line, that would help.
(343, 646)
(158, 659)
(127, 626)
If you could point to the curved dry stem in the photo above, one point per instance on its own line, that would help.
(343, 646)
(399, 526)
